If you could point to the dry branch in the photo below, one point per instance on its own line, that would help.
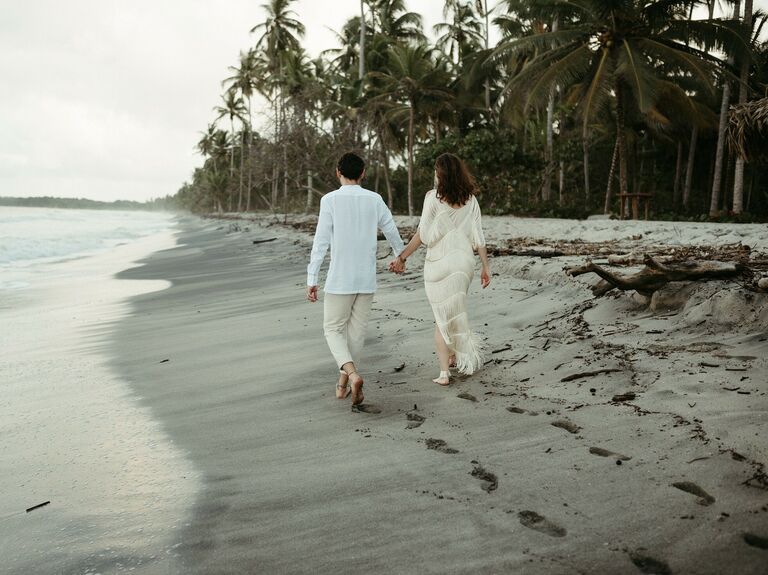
(655, 275)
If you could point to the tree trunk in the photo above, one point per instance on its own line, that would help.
(248, 159)
(561, 184)
(310, 188)
(487, 83)
(678, 171)
(242, 159)
(549, 170)
(585, 151)
(611, 173)
(689, 170)
(738, 177)
(620, 140)
(361, 69)
(715, 198)
(275, 187)
(387, 182)
(410, 160)
(231, 163)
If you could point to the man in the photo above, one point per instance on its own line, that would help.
(350, 218)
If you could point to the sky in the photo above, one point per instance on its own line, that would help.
(106, 99)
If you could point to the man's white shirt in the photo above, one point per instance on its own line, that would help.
(349, 220)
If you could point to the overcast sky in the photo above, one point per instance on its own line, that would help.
(105, 99)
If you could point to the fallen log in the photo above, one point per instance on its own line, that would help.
(655, 275)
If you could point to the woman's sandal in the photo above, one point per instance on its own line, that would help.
(343, 390)
(357, 390)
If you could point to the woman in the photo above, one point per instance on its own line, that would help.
(450, 227)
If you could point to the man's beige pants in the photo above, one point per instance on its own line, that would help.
(344, 324)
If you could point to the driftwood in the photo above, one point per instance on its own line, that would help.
(656, 275)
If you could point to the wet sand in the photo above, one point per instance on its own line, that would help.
(529, 466)
(115, 488)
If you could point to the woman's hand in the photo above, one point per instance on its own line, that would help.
(485, 277)
(397, 265)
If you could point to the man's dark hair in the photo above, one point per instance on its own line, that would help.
(351, 166)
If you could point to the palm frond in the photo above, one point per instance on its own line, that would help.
(636, 73)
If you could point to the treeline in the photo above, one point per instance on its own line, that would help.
(578, 104)
(160, 204)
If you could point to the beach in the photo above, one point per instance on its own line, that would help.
(536, 464)
(603, 435)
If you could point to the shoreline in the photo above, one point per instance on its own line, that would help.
(74, 432)
(516, 468)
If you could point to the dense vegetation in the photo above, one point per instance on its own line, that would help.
(580, 101)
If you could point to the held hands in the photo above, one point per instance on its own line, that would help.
(397, 265)
(312, 293)
(485, 277)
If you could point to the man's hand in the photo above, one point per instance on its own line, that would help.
(397, 266)
(312, 293)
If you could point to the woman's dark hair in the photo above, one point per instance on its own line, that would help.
(351, 166)
(455, 185)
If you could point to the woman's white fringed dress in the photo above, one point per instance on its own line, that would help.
(451, 235)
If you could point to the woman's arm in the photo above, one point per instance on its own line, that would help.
(412, 246)
(397, 265)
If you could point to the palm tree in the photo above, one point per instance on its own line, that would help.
(391, 20)
(461, 32)
(412, 76)
(234, 108)
(246, 79)
(280, 34)
(614, 50)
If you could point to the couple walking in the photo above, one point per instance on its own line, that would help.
(450, 227)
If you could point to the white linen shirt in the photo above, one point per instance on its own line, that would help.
(349, 220)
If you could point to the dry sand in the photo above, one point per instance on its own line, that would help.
(525, 467)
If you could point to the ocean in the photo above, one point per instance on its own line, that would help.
(107, 488)
(31, 238)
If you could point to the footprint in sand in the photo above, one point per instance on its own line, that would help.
(569, 426)
(491, 481)
(756, 540)
(533, 520)
(439, 445)
(605, 453)
(650, 565)
(690, 487)
(515, 410)
(467, 396)
(365, 408)
(414, 420)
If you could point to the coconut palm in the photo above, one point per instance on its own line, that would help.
(412, 77)
(246, 79)
(234, 108)
(612, 50)
(280, 35)
(391, 19)
(461, 32)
